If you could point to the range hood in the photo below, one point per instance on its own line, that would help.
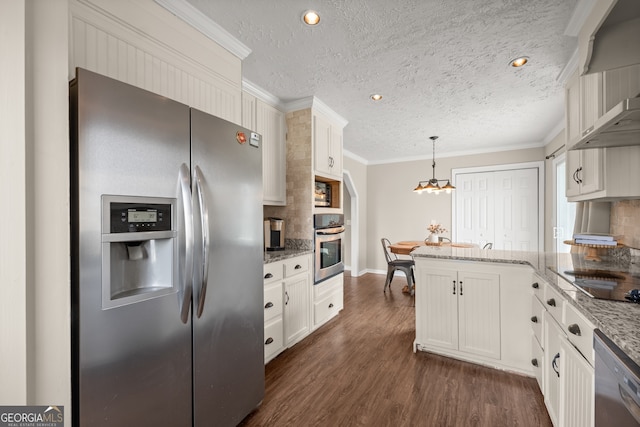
(618, 127)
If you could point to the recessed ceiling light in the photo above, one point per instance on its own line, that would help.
(311, 17)
(376, 97)
(519, 62)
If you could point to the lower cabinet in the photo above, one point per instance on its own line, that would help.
(287, 317)
(328, 300)
(474, 311)
(567, 355)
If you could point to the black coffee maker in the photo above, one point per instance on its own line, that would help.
(274, 234)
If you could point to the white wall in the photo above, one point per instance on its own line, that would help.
(396, 212)
(358, 173)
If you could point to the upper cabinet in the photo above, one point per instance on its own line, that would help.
(327, 146)
(268, 121)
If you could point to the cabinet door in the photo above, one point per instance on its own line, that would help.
(592, 173)
(335, 155)
(437, 302)
(572, 110)
(479, 313)
(576, 388)
(321, 144)
(296, 308)
(553, 363)
(270, 124)
(590, 101)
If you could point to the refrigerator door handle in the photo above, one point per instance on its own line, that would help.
(186, 276)
(200, 188)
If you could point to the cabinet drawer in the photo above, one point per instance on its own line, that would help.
(327, 307)
(537, 286)
(537, 359)
(273, 338)
(327, 287)
(273, 272)
(553, 303)
(272, 301)
(296, 265)
(537, 310)
(579, 331)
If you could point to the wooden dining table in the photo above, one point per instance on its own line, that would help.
(405, 247)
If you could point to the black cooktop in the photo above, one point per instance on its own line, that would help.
(604, 284)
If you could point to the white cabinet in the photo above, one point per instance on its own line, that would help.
(603, 174)
(328, 300)
(287, 317)
(270, 123)
(567, 354)
(297, 285)
(327, 147)
(475, 312)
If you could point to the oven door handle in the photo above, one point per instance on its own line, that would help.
(330, 231)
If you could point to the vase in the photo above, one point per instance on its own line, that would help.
(433, 238)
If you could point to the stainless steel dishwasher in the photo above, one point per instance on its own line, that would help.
(617, 385)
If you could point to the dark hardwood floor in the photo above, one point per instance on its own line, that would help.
(359, 370)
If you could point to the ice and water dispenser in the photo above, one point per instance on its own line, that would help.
(139, 247)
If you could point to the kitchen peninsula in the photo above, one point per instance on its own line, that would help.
(510, 310)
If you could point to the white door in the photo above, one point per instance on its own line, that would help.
(516, 210)
(475, 208)
(498, 207)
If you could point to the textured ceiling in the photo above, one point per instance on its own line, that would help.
(441, 66)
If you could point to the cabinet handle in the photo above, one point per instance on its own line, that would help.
(331, 305)
(534, 362)
(286, 294)
(535, 285)
(551, 302)
(268, 341)
(454, 287)
(268, 305)
(534, 319)
(575, 176)
(268, 276)
(461, 287)
(554, 365)
(297, 267)
(579, 178)
(574, 329)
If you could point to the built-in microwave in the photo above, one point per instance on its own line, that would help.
(322, 194)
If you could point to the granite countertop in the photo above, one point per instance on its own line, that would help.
(273, 256)
(618, 320)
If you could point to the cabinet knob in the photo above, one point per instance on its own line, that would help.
(297, 267)
(534, 362)
(534, 319)
(331, 305)
(268, 305)
(551, 302)
(268, 341)
(535, 285)
(574, 329)
(268, 276)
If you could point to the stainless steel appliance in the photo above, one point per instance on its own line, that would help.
(603, 284)
(617, 385)
(167, 295)
(274, 234)
(329, 232)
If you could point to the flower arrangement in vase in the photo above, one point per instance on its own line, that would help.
(435, 229)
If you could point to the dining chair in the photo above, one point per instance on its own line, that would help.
(394, 264)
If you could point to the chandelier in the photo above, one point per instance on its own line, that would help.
(432, 185)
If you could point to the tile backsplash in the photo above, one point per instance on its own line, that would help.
(625, 221)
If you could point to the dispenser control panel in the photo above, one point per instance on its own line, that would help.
(138, 217)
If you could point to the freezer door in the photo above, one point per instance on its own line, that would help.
(228, 327)
(132, 360)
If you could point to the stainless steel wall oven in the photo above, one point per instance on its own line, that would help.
(328, 249)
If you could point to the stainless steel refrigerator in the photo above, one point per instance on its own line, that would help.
(167, 316)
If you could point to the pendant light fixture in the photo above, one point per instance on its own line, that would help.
(432, 185)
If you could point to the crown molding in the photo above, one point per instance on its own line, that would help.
(317, 105)
(255, 90)
(569, 68)
(198, 20)
(578, 17)
(352, 156)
